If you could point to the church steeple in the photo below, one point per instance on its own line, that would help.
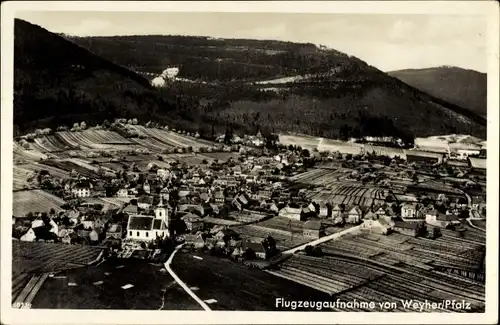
(161, 211)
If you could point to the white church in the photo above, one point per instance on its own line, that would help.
(148, 228)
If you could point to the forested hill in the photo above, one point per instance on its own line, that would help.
(465, 88)
(209, 59)
(58, 82)
(61, 80)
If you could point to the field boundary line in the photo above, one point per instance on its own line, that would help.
(36, 288)
(181, 283)
(97, 258)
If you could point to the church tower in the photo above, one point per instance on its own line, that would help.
(162, 211)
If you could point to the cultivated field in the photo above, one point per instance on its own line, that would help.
(92, 139)
(235, 286)
(323, 177)
(417, 252)
(100, 287)
(336, 191)
(34, 201)
(352, 277)
(286, 232)
(30, 259)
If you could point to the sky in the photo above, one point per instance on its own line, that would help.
(388, 42)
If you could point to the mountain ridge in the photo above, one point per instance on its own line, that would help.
(351, 99)
(466, 88)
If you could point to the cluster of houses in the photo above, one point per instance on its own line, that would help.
(177, 200)
(83, 225)
(411, 220)
(249, 140)
(228, 242)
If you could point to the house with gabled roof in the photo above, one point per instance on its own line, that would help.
(354, 215)
(82, 188)
(257, 248)
(413, 229)
(291, 212)
(378, 226)
(192, 221)
(380, 212)
(219, 196)
(313, 229)
(409, 210)
(370, 215)
(130, 209)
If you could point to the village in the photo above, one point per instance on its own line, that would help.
(259, 205)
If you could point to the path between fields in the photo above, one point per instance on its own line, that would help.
(181, 283)
(322, 240)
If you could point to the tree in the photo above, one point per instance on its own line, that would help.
(83, 125)
(436, 232)
(270, 246)
(317, 251)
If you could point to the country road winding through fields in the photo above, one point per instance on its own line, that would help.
(181, 283)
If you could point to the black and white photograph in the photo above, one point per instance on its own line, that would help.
(261, 158)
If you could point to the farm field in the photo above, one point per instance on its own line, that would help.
(81, 167)
(168, 139)
(97, 140)
(189, 158)
(286, 232)
(34, 201)
(421, 253)
(20, 177)
(324, 177)
(283, 223)
(348, 278)
(100, 287)
(37, 167)
(21, 154)
(435, 186)
(217, 279)
(107, 202)
(30, 258)
(222, 156)
(336, 191)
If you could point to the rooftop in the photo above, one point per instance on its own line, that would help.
(139, 222)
